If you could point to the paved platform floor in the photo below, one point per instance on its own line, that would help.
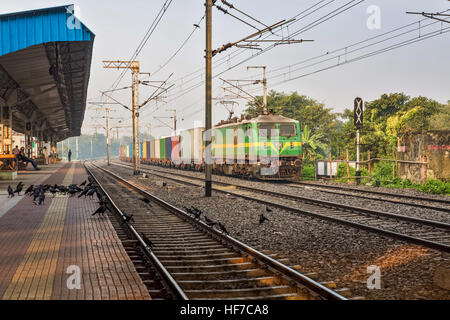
(44, 248)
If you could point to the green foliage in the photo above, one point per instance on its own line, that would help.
(308, 172)
(389, 117)
(436, 187)
(321, 121)
(312, 144)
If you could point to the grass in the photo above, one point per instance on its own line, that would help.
(383, 174)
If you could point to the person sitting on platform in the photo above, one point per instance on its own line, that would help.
(24, 158)
(16, 151)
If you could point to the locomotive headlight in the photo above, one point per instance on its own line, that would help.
(292, 145)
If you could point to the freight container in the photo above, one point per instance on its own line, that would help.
(152, 149)
(162, 149)
(157, 149)
(185, 147)
(168, 142)
(147, 148)
(176, 149)
(144, 150)
(122, 152)
(197, 146)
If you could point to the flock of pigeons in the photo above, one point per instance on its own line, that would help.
(197, 214)
(38, 193)
(89, 189)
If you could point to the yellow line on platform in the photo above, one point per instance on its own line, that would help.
(35, 275)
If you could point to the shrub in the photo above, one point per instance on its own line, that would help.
(436, 187)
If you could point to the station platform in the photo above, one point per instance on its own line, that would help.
(42, 248)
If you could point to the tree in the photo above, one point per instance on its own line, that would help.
(320, 120)
(312, 144)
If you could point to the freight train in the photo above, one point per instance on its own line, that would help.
(267, 147)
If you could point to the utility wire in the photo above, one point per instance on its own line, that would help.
(144, 41)
(196, 27)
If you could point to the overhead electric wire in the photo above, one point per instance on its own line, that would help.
(144, 41)
(239, 51)
(196, 27)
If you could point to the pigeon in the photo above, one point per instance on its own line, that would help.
(29, 190)
(36, 193)
(268, 210)
(72, 192)
(84, 192)
(41, 198)
(19, 189)
(10, 192)
(128, 218)
(224, 230)
(53, 191)
(197, 214)
(90, 193)
(262, 219)
(101, 210)
(83, 184)
(146, 201)
(147, 241)
(209, 222)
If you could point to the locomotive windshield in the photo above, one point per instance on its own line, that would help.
(287, 130)
(267, 130)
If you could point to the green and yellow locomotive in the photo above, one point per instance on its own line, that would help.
(268, 147)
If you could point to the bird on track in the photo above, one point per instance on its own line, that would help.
(224, 230)
(209, 222)
(10, 192)
(268, 210)
(127, 218)
(101, 210)
(147, 241)
(262, 219)
(29, 190)
(83, 183)
(19, 189)
(146, 201)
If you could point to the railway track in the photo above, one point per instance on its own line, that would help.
(429, 233)
(193, 260)
(424, 202)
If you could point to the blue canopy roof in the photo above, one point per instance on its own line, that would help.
(25, 29)
(45, 60)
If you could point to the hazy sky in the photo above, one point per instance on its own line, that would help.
(422, 68)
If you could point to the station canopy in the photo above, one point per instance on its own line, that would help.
(45, 61)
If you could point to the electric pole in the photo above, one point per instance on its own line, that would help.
(264, 82)
(135, 69)
(108, 140)
(76, 148)
(208, 99)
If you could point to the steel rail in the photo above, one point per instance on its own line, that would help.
(443, 201)
(400, 236)
(168, 279)
(275, 265)
(329, 204)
